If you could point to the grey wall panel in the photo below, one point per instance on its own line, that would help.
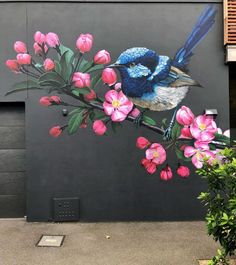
(12, 137)
(104, 171)
(12, 28)
(12, 160)
(12, 206)
(12, 183)
(12, 114)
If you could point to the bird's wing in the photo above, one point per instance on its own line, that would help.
(177, 78)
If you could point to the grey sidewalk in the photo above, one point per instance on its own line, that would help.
(145, 243)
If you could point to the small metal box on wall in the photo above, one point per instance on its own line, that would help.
(65, 209)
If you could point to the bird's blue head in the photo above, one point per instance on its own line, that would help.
(136, 62)
(136, 65)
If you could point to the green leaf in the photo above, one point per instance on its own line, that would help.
(50, 83)
(57, 67)
(222, 138)
(81, 91)
(66, 67)
(25, 85)
(52, 76)
(95, 68)
(75, 111)
(69, 53)
(164, 123)
(74, 122)
(85, 66)
(100, 116)
(149, 120)
(180, 155)
(175, 132)
(95, 80)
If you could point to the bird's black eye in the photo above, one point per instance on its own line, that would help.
(132, 65)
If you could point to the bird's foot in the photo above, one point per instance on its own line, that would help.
(138, 119)
(167, 133)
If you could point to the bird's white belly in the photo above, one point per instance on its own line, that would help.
(163, 98)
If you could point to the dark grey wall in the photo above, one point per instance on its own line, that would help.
(104, 172)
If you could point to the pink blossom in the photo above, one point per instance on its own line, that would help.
(184, 116)
(23, 58)
(200, 151)
(91, 96)
(20, 47)
(84, 42)
(102, 57)
(150, 166)
(52, 40)
(48, 64)
(117, 105)
(39, 37)
(47, 101)
(203, 128)
(185, 133)
(81, 80)
(157, 153)
(99, 127)
(109, 76)
(38, 50)
(13, 65)
(166, 173)
(142, 142)
(117, 86)
(55, 131)
(183, 171)
(135, 113)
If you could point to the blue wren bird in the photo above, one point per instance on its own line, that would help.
(157, 82)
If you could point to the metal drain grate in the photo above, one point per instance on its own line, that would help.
(50, 241)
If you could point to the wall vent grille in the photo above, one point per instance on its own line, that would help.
(229, 22)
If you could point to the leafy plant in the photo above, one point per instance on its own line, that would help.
(220, 200)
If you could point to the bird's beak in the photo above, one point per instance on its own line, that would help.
(115, 65)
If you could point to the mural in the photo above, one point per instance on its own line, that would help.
(149, 82)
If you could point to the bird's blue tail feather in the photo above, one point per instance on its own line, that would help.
(199, 31)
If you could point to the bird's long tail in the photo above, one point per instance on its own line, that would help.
(199, 31)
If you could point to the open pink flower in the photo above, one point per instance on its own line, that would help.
(200, 151)
(117, 105)
(184, 116)
(157, 153)
(203, 128)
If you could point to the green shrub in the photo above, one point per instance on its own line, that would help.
(220, 200)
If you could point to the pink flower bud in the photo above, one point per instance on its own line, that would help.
(13, 65)
(185, 133)
(184, 116)
(48, 64)
(117, 86)
(109, 76)
(23, 58)
(151, 168)
(45, 101)
(99, 127)
(183, 171)
(81, 80)
(83, 124)
(55, 99)
(38, 50)
(20, 47)
(142, 142)
(144, 162)
(84, 43)
(52, 39)
(166, 173)
(55, 131)
(135, 113)
(102, 57)
(39, 37)
(91, 96)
